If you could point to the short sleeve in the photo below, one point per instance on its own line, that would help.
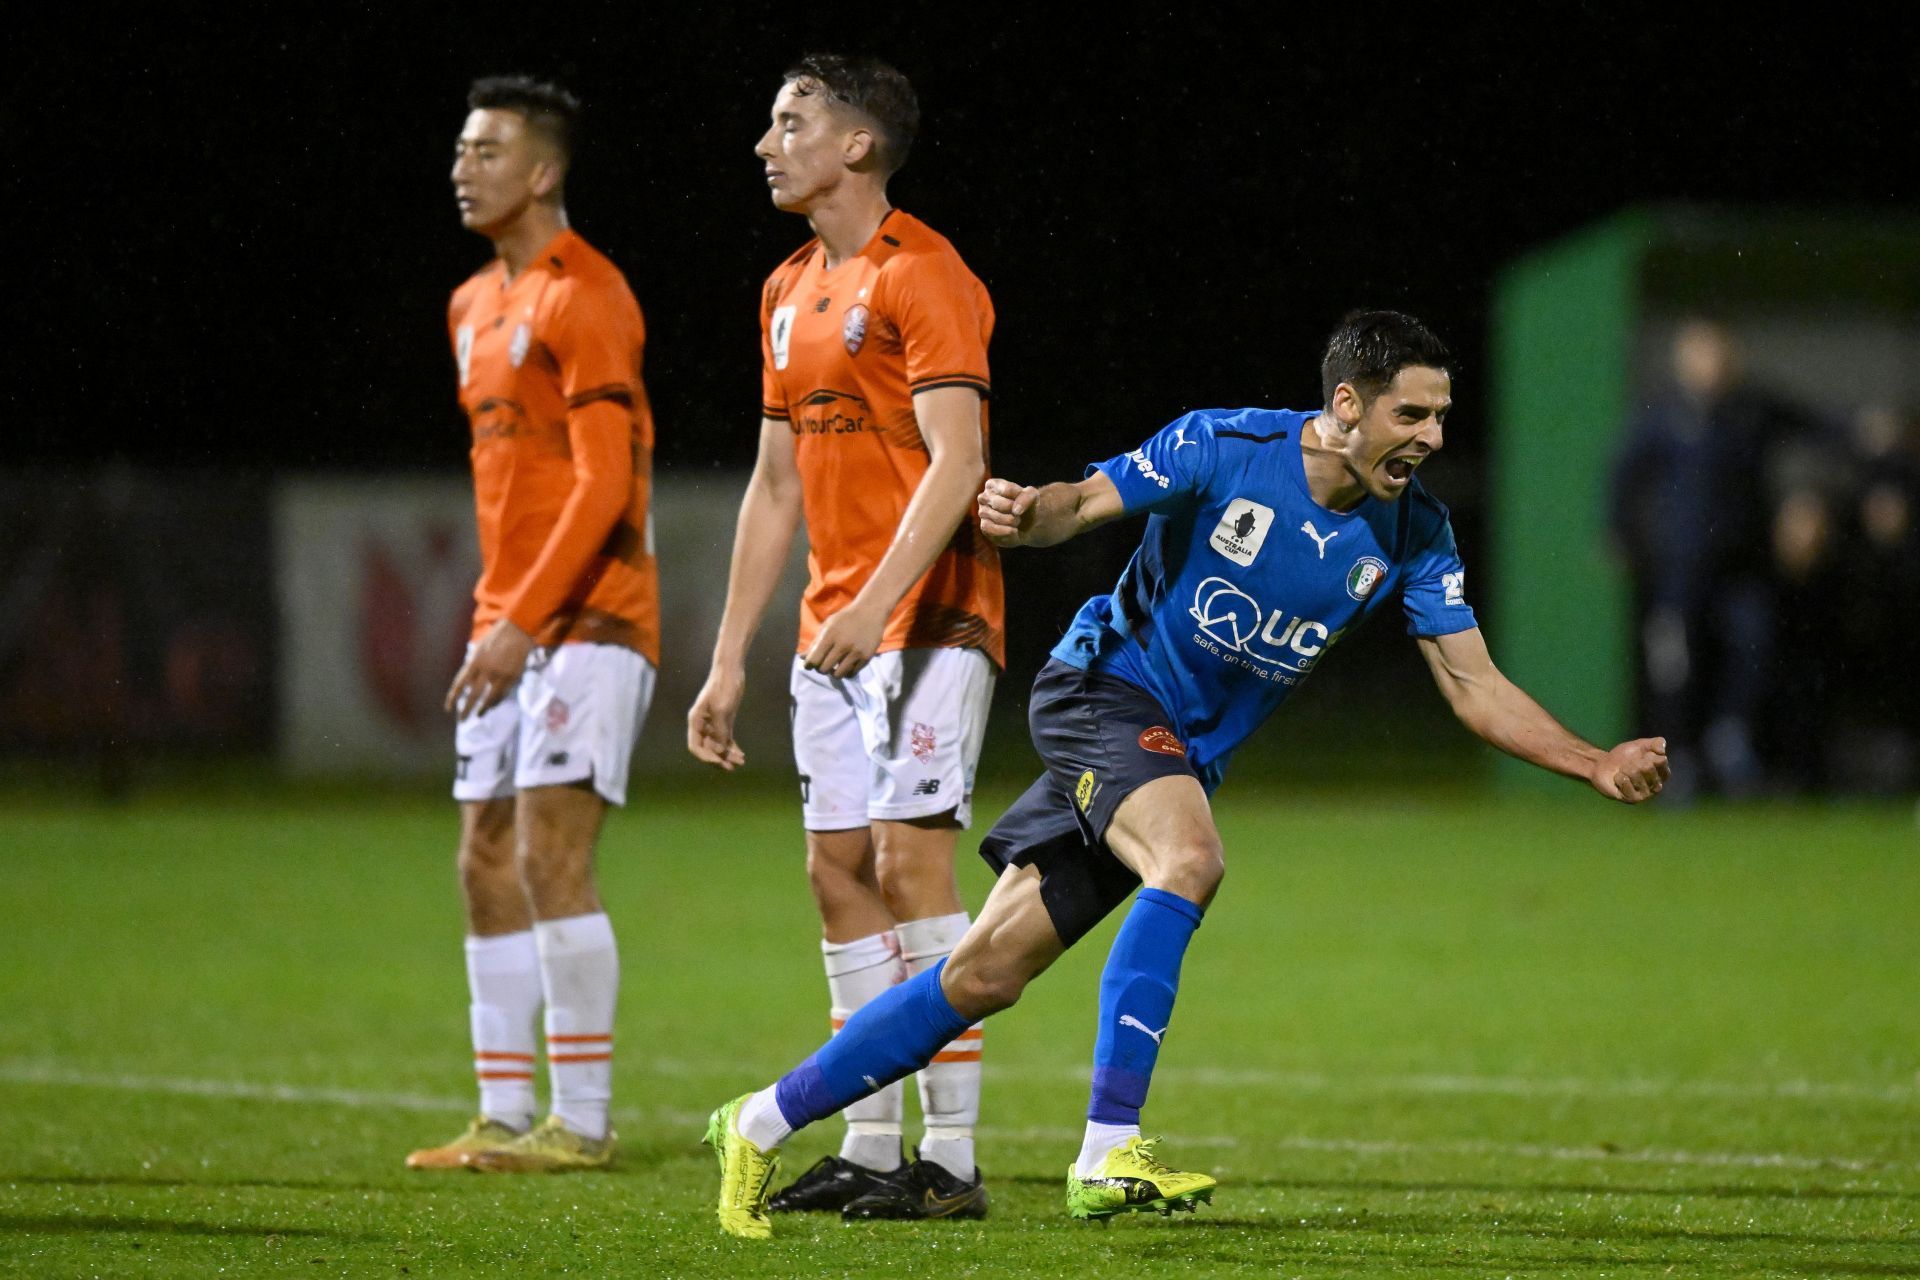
(595, 337)
(941, 314)
(773, 396)
(1174, 464)
(1434, 594)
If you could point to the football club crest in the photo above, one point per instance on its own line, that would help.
(558, 713)
(780, 334)
(1242, 530)
(853, 330)
(924, 742)
(522, 342)
(1365, 577)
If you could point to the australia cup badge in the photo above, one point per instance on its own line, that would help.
(853, 330)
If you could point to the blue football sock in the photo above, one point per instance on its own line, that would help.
(892, 1036)
(1136, 1002)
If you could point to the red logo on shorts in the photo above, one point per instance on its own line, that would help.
(1161, 740)
(557, 715)
(925, 741)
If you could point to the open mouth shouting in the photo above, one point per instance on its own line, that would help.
(1401, 466)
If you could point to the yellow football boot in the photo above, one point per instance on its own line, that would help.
(1130, 1180)
(548, 1147)
(482, 1135)
(745, 1174)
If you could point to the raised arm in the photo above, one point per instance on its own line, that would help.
(769, 514)
(1012, 515)
(1500, 712)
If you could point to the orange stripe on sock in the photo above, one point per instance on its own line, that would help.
(839, 1023)
(486, 1055)
(580, 1057)
(957, 1055)
(971, 1033)
(504, 1075)
(579, 1039)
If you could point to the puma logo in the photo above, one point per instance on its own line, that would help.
(1321, 542)
(1180, 438)
(1128, 1020)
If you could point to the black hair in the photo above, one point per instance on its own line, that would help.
(1370, 347)
(874, 89)
(549, 109)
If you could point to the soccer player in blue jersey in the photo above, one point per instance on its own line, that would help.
(1270, 534)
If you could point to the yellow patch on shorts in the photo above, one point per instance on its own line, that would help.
(1083, 793)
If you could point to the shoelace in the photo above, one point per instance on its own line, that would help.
(1143, 1152)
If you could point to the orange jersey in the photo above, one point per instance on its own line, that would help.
(562, 449)
(843, 352)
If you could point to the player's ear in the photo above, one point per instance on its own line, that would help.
(859, 149)
(548, 173)
(1347, 406)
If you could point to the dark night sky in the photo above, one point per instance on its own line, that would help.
(234, 233)
(240, 237)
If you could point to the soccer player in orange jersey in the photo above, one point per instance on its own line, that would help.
(874, 426)
(566, 630)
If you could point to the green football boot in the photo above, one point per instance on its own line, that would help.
(745, 1174)
(1130, 1180)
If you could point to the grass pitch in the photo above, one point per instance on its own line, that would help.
(1448, 1038)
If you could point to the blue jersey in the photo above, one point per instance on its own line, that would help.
(1242, 581)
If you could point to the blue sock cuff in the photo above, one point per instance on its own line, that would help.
(893, 1035)
(939, 1010)
(1174, 902)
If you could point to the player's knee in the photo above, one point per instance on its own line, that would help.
(557, 875)
(978, 987)
(915, 878)
(487, 851)
(831, 879)
(1194, 871)
(905, 884)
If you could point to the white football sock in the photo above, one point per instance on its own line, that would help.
(503, 977)
(950, 1084)
(760, 1122)
(580, 969)
(858, 971)
(1100, 1139)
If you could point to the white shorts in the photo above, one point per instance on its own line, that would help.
(898, 740)
(573, 717)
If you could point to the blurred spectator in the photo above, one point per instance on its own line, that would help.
(1879, 586)
(1809, 479)
(1692, 511)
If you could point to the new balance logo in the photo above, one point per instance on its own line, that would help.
(927, 787)
(557, 759)
(1128, 1020)
(1314, 533)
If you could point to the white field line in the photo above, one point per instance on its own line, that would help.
(1495, 1086)
(257, 1091)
